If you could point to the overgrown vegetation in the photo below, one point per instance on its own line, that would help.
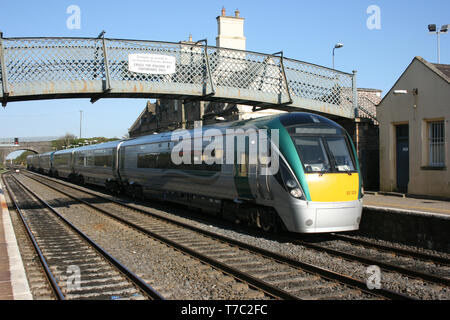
(71, 141)
(22, 159)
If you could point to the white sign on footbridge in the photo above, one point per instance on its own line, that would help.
(95, 68)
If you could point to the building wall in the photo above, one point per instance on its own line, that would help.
(431, 103)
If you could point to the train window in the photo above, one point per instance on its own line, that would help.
(340, 153)
(243, 166)
(103, 161)
(61, 160)
(164, 161)
(313, 154)
(147, 160)
(80, 161)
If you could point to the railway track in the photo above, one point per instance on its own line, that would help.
(74, 265)
(405, 262)
(276, 275)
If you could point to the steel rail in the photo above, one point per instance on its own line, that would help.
(403, 252)
(323, 273)
(152, 293)
(50, 277)
(382, 265)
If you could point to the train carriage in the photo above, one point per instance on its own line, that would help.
(317, 187)
(30, 162)
(95, 164)
(35, 162)
(63, 163)
(307, 179)
(45, 162)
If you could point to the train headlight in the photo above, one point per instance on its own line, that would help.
(291, 183)
(297, 193)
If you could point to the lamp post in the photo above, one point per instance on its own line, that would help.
(336, 46)
(433, 29)
(81, 117)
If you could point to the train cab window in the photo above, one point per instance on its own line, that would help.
(342, 160)
(313, 154)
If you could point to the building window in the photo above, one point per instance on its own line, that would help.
(436, 141)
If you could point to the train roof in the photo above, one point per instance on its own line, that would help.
(286, 119)
(46, 153)
(64, 151)
(104, 145)
(301, 118)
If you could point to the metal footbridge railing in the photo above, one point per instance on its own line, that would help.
(95, 68)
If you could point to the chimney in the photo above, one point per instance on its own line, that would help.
(230, 31)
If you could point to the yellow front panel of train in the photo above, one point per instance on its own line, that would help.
(333, 187)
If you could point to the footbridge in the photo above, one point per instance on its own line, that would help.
(95, 68)
(33, 144)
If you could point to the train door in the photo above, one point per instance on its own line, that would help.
(241, 170)
(263, 179)
(402, 136)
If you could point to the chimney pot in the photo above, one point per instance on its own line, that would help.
(223, 11)
(236, 13)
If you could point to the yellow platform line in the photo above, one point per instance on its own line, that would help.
(406, 207)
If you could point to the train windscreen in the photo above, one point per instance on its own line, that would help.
(320, 154)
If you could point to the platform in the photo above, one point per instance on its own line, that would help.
(13, 280)
(403, 203)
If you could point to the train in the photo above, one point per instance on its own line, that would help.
(315, 187)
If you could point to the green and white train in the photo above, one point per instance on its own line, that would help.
(315, 187)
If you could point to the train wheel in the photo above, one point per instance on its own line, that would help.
(138, 193)
(268, 221)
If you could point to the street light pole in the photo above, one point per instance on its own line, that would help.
(336, 46)
(433, 29)
(439, 48)
(81, 117)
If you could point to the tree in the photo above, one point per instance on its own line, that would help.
(64, 141)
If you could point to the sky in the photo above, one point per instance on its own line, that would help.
(378, 43)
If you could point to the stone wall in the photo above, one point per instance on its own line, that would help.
(37, 147)
(365, 136)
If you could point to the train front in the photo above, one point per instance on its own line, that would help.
(319, 170)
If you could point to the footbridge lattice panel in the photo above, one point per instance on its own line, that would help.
(51, 68)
